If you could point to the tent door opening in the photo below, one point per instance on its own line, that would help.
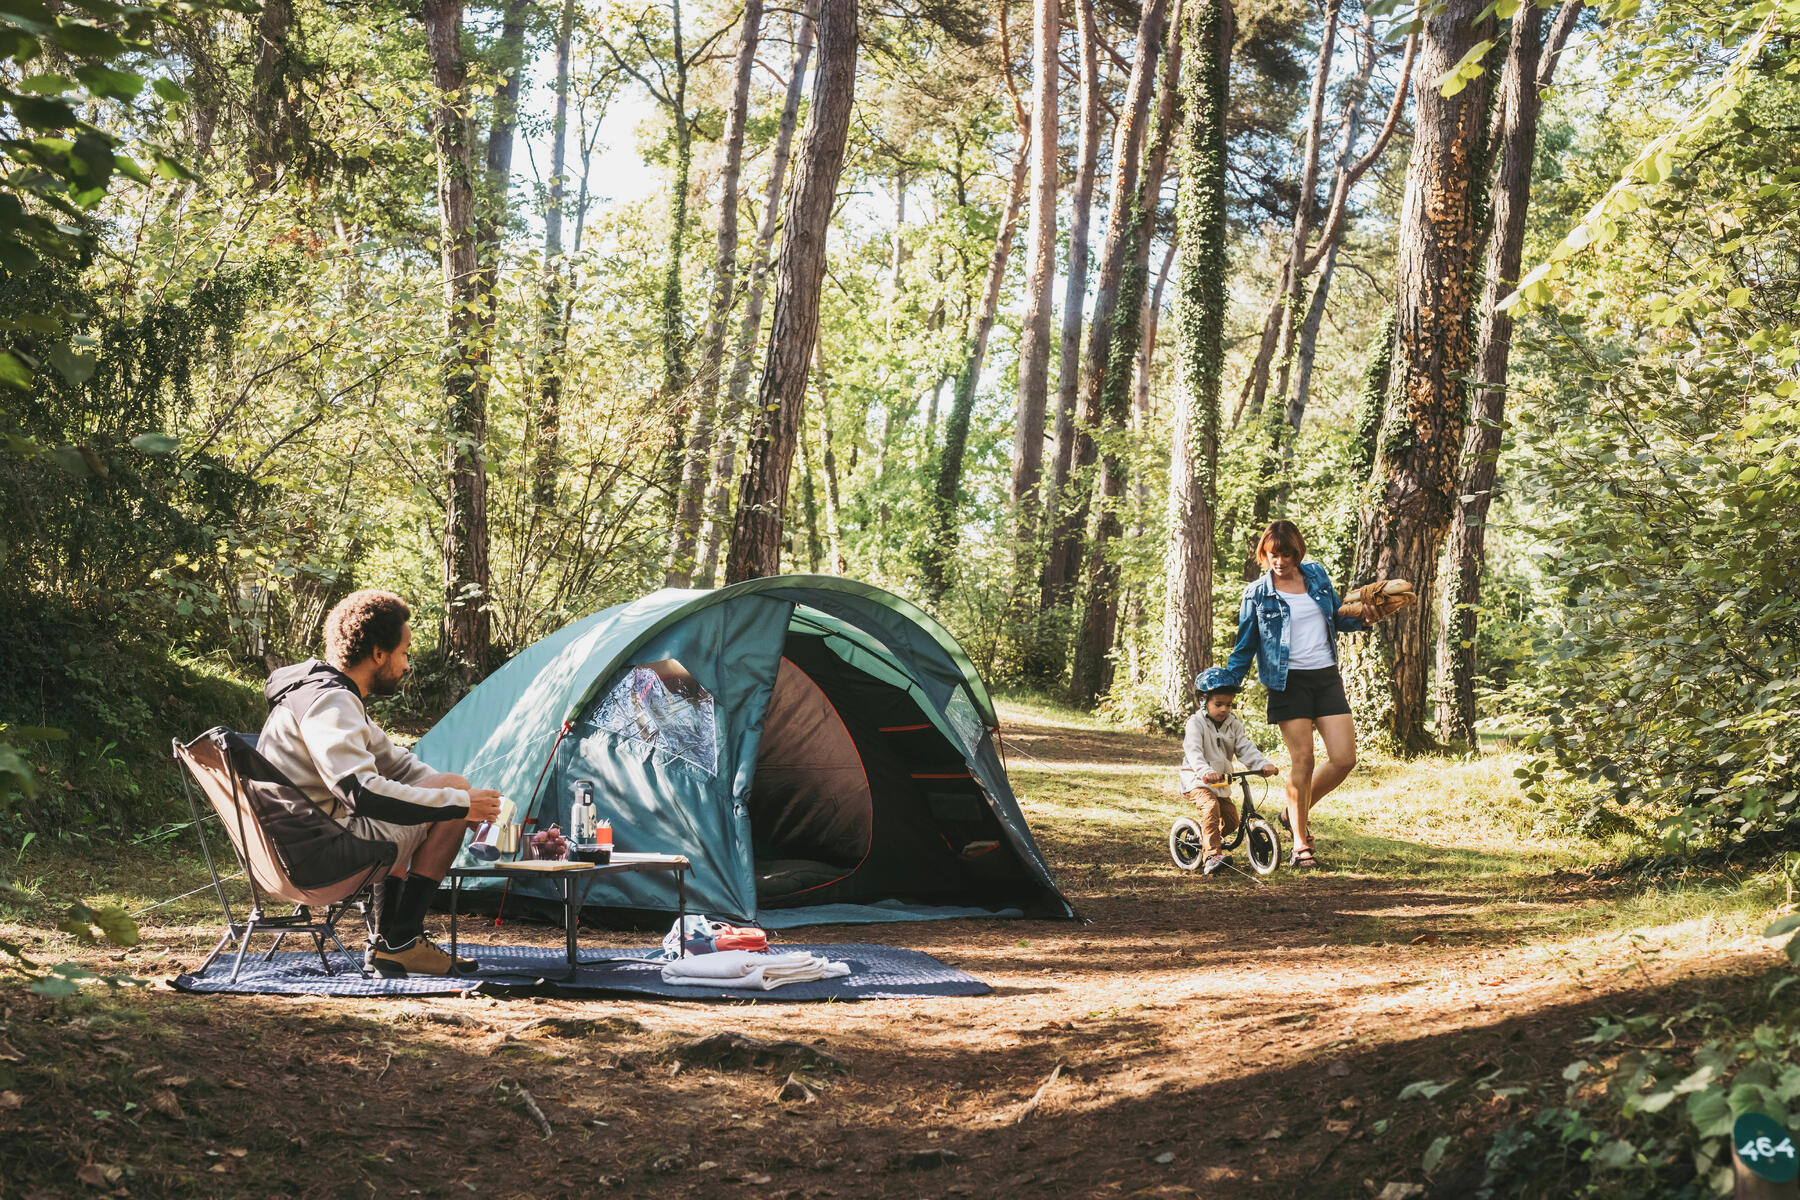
(859, 796)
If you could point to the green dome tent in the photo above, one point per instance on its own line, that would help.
(820, 749)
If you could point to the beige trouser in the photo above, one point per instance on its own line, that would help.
(1218, 820)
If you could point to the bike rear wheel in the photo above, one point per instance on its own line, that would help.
(1184, 843)
(1264, 845)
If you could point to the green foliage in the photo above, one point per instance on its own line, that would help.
(1665, 448)
(58, 157)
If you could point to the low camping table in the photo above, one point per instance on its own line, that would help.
(572, 886)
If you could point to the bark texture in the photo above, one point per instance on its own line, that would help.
(1528, 69)
(1411, 499)
(553, 317)
(1093, 669)
(1040, 276)
(1063, 562)
(724, 468)
(466, 628)
(1200, 331)
(794, 328)
(698, 457)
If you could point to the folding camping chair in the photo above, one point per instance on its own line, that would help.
(289, 848)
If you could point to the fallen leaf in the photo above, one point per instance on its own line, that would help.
(1274, 1134)
(9, 1053)
(1401, 1191)
(1339, 1126)
(1424, 939)
(1338, 1069)
(238, 1153)
(11, 1100)
(1165, 1158)
(181, 1081)
(99, 1175)
(165, 1103)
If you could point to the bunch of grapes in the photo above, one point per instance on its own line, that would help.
(549, 843)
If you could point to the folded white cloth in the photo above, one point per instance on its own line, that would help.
(751, 970)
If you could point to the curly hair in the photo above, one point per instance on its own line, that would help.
(361, 623)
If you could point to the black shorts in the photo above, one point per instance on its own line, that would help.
(1308, 696)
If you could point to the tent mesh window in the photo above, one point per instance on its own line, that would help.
(668, 713)
(961, 711)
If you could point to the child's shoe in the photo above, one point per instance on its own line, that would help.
(1214, 863)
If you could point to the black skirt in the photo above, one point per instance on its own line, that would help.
(1308, 696)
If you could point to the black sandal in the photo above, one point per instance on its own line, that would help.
(1305, 860)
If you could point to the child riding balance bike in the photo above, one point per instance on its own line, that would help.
(1214, 736)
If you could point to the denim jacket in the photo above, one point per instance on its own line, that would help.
(1263, 632)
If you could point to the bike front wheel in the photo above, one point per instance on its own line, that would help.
(1263, 845)
(1184, 843)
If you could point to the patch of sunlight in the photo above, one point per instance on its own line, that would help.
(1027, 708)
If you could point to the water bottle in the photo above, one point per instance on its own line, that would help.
(583, 816)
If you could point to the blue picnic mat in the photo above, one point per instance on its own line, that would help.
(876, 973)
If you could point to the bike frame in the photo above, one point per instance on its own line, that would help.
(1247, 812)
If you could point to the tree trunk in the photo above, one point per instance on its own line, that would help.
(737, 390)
(1093, 672)
(1412, 494)
(828, 459)
(941, 535)
(1200, 326)
(1064, 559)
(1152, 315)
(1045, 664)
(466, 628)
(277, 116)
(1508, 200)
(809, 503)
(1040, 275)
(794, 329)
(676, 401)
(1309, 184)
(554, 321)
(698, 457)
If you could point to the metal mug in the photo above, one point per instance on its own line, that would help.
(508, 837)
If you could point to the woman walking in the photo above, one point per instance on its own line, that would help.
(1289, 624)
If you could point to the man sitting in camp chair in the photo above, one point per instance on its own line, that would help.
(319, 735)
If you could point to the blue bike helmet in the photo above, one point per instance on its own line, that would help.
(1215, 679)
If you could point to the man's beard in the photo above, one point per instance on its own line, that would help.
(383, 685)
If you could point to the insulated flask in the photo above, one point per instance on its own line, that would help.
(583, 816)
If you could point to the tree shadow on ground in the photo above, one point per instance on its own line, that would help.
(302, 1100)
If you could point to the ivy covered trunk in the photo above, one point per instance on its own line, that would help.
(697, 460)
(1412, 489)
(794, 329)
(466, 627)
(1200, 348)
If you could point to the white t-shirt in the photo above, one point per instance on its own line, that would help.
(1308, 647)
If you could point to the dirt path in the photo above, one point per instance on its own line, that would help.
(1210, 1038)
